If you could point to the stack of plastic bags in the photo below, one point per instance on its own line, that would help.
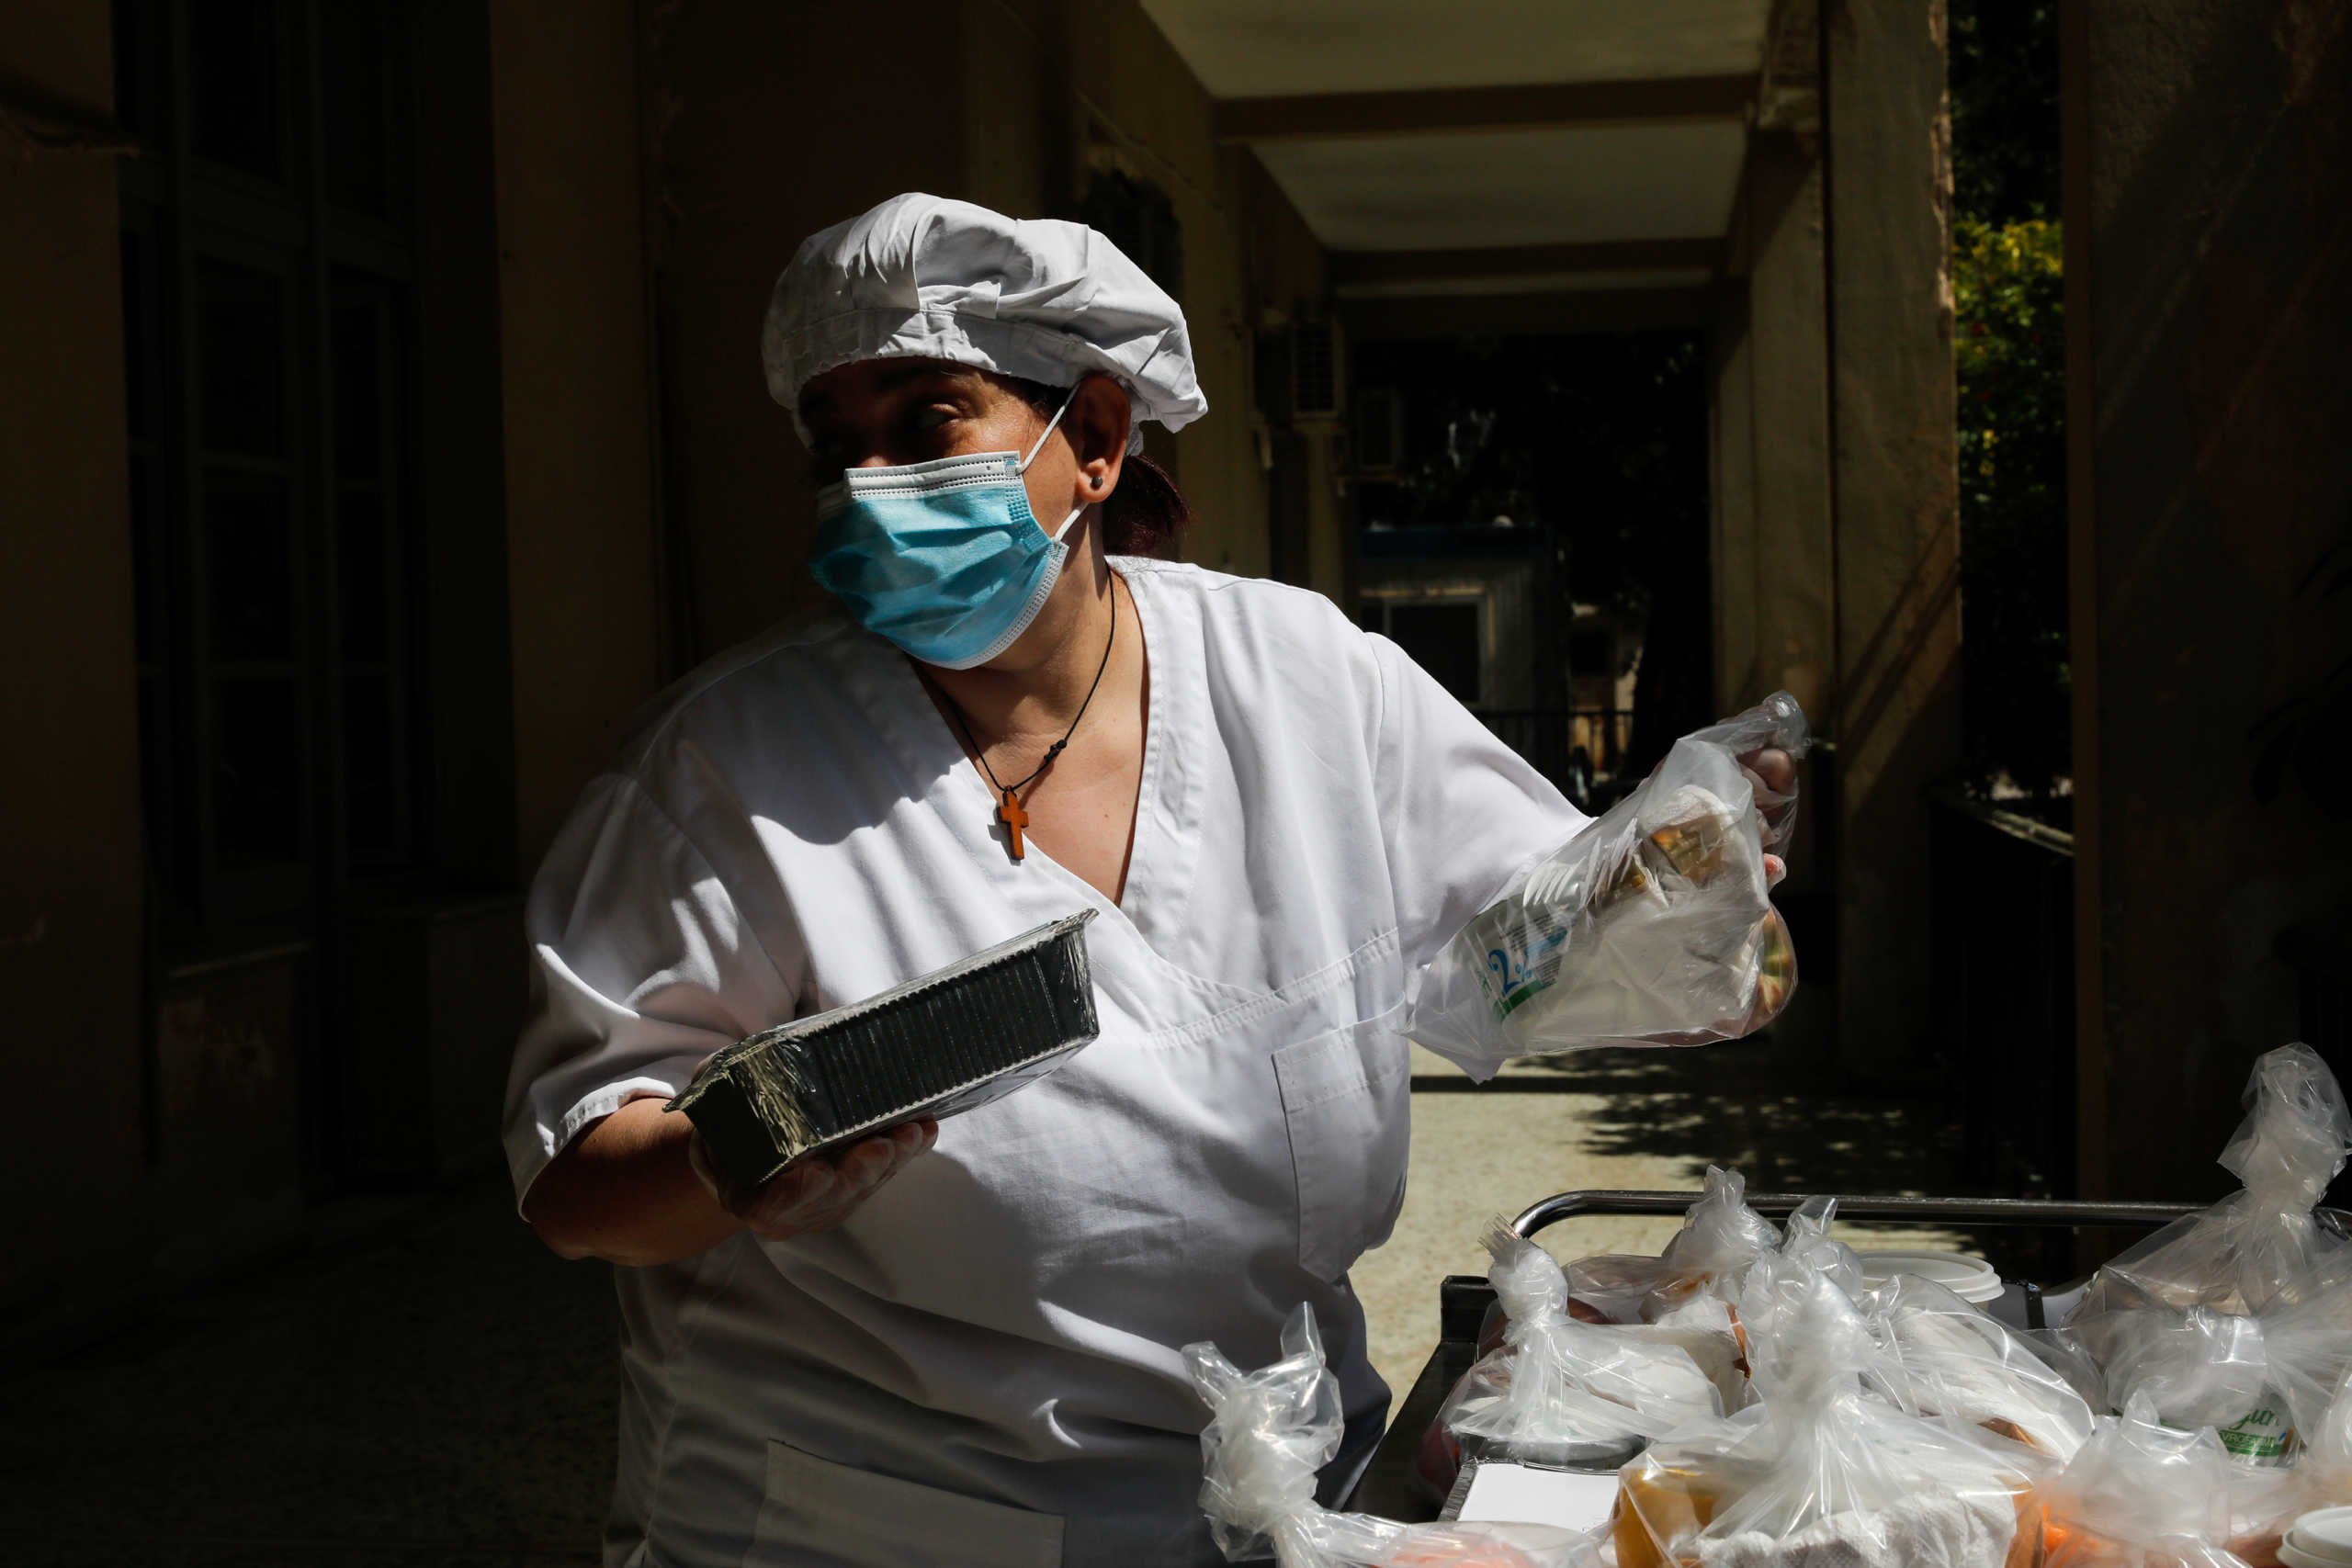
(1652, 926)
(2240, 1317)
(1563, 1393)
(1826, 1470)
(1761, 1404)
(1273, 1429)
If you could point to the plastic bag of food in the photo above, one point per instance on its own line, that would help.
(2184, 1318)
(2262, 1242)
(2141, 1494)
(1823, 1472)
(1565, 1395)
(1651, 926)
(1720, 1238)
(2325, 1471)
(1947, 1357)
(2307, 1343)
(1270, 1431)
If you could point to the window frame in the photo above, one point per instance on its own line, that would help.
(180, 209)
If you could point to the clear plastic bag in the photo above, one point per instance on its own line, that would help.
(1565, 1394)
(1269, 1433)
(2242, 1254)
(2141, 1494)
(1651, 926)
(1720, 1238)
(2307, 1342)
(1823, 1472)
(2324, 1473)
(2186, 1319)
(1947, 1357)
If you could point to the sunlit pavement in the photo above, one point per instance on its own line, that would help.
(438, 1389)
(1622, 1118)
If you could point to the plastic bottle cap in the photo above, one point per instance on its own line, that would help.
(1973, 1279)
(2321, 1540)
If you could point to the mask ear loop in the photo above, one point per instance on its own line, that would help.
(1075, 510)
(1046, 432)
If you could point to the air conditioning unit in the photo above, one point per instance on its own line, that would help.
(1315, 378)
(1379, 430)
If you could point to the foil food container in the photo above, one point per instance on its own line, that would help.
(941, 1044)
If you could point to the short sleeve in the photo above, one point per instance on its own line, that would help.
(1462, 814)
(642, 966)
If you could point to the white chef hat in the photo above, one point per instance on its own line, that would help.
(921, 277)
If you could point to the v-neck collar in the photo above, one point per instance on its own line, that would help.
(1159, 866)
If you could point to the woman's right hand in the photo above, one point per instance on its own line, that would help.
(817, 1192)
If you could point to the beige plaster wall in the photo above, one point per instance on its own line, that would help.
(1896, 564)
(1136, 105)
(69, 863)
(582, 550)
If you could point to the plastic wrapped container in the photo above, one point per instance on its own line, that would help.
(940, 1045)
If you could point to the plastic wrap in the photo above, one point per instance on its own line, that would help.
(1651, 926)
(2242, 1254)
(1720, 1237)
(1565, 1394)
(2141, 1494)
(2307, 1342)
(1270, 1431)
(2185, 1319)
(1946, 1358)
(2324, 1475)
(1823, 1472)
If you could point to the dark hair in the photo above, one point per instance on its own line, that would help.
(1144, 516)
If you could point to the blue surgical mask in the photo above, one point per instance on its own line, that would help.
(944, 558)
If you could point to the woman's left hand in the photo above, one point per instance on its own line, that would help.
(1772, 776)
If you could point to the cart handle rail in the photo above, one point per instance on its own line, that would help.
(1941, 1211)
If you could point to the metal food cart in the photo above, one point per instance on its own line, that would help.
(1387, 1486)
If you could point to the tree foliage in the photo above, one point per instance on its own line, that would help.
(2009, 353)
(2009, 357)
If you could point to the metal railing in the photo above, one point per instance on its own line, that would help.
(1909, 1210)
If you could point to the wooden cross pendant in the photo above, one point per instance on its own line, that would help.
(1009, 812)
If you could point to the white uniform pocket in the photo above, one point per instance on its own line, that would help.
(817, 1513)
(1347, 1104)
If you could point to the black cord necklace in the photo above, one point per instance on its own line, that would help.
(1008, 798)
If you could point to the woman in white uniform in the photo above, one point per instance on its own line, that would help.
(1278, 819)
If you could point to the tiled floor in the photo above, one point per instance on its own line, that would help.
(439, 1392)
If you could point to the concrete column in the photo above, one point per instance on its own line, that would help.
(577, 433)
(1772, 551)
(1896, 713)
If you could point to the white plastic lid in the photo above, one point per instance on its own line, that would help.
(1973, 1279)
(2321, 1540)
